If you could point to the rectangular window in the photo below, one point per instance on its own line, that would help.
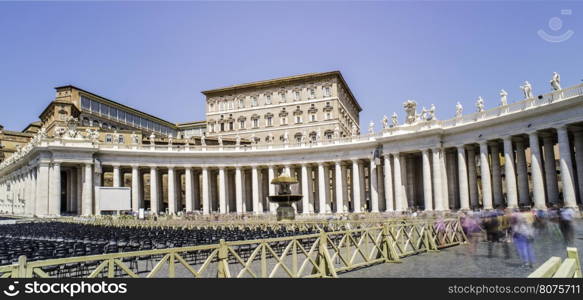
(255, 123)
(327, 91)
(103, 109)
(85, 103)
(269, 121)
(313, 117)
(113, 113)
(312, 93)
(241, 124)
(253, 101)
(267, 99)
(282, 95)
(297, 95)
(298, 119)
(121, 116)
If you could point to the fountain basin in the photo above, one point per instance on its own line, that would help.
(285, 210)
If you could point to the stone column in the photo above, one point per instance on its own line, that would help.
(322, 186)
(171, 190)
(511, 194)
(222, 191)
(536, 171)
(452, 176)
(522, 172)
(362, 187)
(578, 137)
(55, 199)
(485, 176)
(260, 188)
(116, 176)
(136, 187)
(305, 190)
(255, 189)
(388, 184)
(238, 190)
(437, 184)
(374, 195)
(345, 197)
(472, 176)
(398, 182)
(463, 178)
(87, 189)
(154, 200)
(79, 203)
(496, 174)
(566, 167)
(355, 185)
(444, 181)
(339, 186)
(205, 191)
(270, 177)
(188, 192)
(550, 168)
(427, 190)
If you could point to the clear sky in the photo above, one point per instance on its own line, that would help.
(158, 56)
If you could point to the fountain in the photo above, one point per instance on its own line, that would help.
(284, 197)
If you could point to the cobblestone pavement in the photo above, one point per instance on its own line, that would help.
(457, 262)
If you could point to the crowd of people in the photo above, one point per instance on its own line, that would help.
(503, 227)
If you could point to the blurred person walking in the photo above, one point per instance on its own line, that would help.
(566, 225)
(523, 235)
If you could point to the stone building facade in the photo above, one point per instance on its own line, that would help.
(291, 109)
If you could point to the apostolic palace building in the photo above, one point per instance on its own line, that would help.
(526, 153)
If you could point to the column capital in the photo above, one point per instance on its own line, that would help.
(461, 147)
(507, 138)
(116, 165)
(562, 128)
(532, 133)
(171, 167)
(483, 142)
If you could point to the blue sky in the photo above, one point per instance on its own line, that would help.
(158, 56)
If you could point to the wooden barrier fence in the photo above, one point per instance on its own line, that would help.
(323, 254)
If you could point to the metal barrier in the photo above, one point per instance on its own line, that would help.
(324, 254)
(553, 268)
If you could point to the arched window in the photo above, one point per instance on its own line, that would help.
(86, 122)
(109, 138)
(313, 136)
(121, 139)
(298, 137)
(329, 134)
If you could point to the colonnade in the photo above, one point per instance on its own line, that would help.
(537, 169)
